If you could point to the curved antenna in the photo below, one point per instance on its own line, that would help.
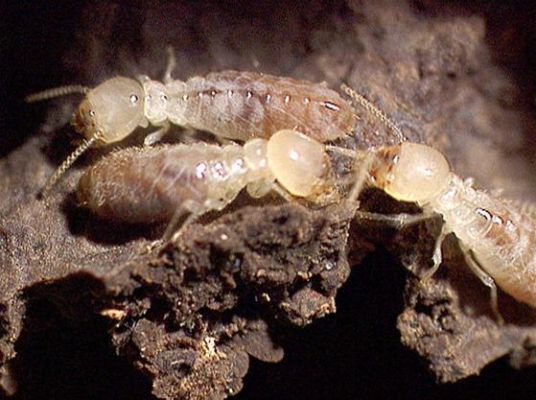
(56, 92)
(86, 144)
(379, 114)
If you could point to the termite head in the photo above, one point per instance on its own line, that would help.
(411, 172)
(300, 164)
(113, 109)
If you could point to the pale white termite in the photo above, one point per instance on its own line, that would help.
(499, 240)
(158, 184)
(147, 185)
(230, 104)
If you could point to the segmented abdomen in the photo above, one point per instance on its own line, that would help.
(144, 185)
(502, 238)
(244, 105)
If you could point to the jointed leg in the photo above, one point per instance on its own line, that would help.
(276, 187)
(397, 221)
(173, 230)
(360, 178)
(172, 63)
(437, 258)
(223, 141)
(157, 135)
(173, 234)
(346, 152)
(486, 279)
(402, 220)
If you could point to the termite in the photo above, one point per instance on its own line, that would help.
(498, 240)
(158, 184)
(147, 185)
(498, 237)
(230, 104)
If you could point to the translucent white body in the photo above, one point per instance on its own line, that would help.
(245, 105)
(230, 104)
(152, 184)
(501, 238)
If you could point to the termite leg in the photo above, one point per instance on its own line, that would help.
(142, 78)
(223, 141)
(157, 135)
(486, 279)
(282, 192)
(173, 231)
(397, 221)
(402, 220)
(172, 63)
(360, 176)
(437, 258)
(154, 246)
(345, 152)
(174, 235)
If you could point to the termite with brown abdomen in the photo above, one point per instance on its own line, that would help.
(230, 104)
(162, 183)
(151, 184)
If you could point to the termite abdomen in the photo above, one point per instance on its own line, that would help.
(142, 186)
(157, 184)
(245, 105)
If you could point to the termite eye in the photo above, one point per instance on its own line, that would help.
(134, 98)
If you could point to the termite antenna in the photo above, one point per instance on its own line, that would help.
(56, 92)
(86, 144)
(379, 114)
